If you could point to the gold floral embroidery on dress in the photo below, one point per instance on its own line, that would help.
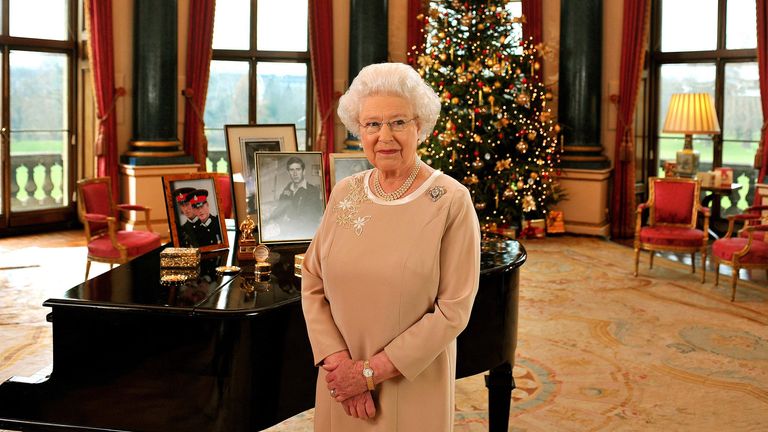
(347, 209)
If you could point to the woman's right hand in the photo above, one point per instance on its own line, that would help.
(360, 406)
(334, 359)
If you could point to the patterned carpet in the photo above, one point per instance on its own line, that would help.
(598, 350)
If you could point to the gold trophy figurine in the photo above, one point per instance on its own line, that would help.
(247, 243)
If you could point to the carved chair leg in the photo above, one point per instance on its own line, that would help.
(693, 262)
(637, 260)
(733, 282)
(717, 272)
(650, 266)
(703, 265)
(87, 268)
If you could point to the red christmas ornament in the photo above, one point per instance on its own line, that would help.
(485, 52)
(524, 80)
(501, 135)
(477, 110)
(476, 153)
(434, 133)
(461, 134)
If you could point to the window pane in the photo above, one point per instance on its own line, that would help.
(27, 19)
(688, 25)
(684, 78)
(741, 27)
(282, 25)
(742, 114)
(227, 100)
(282, 96)
(39, 130)
(232, 25)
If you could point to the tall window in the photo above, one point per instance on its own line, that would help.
(37, 57)
(709, 46)
(260, 68)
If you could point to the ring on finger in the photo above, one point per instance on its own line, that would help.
(333, 392)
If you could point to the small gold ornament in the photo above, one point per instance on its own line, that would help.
(529, 204)
(548, 96)
(545, 116)
(480, 205)
(520, 184)
(522, 99)
(503, 164)
(557, 128)
(522, 147)
(477, 164)
(509, 193)
(481, 26)
(441, 35)
(534, 175)
(536, 66)
(470, 180)
(443, 57)
(531, 135)
(477, 138)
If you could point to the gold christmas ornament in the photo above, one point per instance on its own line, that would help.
(534, 175)
(520, 184)
(522, 99)
(529, 204)
(557, 128)
(481, 26)
(509, 193)
(548, 96)
(502, 39)
(522, 147)
(480, 205)
(470, 180)
(503, 164)
(443, 57)
(496, 68)
(545, 116)
(497, 84)
(531, 135)
(477, 164)
(477, 138)
(441, 35)
(466, 20)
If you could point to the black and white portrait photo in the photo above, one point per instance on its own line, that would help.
(291, 195)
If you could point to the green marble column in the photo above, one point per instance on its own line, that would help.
(368, 42)
(581, 41)
(155, 139)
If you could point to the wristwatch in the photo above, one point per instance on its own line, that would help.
(368, 374)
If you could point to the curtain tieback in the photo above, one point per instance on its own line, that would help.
(322, 137)
(99, 143)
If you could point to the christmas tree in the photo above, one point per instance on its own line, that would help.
(495, 133)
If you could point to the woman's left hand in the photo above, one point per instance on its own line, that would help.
(346, 379)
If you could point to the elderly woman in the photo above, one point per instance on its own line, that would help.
(389, 279)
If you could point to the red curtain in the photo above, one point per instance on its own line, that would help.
(633, 47)
(762, 66)
(321, 53)
(533, 20)
(101, 58)
(199, 53)
(415, 37)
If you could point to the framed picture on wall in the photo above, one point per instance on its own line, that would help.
(346, 164)
(243, 142)
(291, 194)
(194, 211)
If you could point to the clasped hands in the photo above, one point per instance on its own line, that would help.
(347, 385)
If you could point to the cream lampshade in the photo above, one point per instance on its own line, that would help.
(689, 114)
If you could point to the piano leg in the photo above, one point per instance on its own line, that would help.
(500, 384)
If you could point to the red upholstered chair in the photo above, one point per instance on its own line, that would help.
(98, 213)
(673, 210)
(748, 249)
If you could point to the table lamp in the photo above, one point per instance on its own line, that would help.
(689, 114)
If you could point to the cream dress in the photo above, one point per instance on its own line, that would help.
(399, 276)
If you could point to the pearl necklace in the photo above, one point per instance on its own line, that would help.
(391, 196)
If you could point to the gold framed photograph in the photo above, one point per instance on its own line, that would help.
(243, 142)
(291, 194)
(343, 165)
(194, 211)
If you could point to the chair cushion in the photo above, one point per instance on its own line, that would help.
(725, 248)
(136, 243)
(672, 236)
(759, 232)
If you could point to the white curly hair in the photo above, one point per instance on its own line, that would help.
(391, 79)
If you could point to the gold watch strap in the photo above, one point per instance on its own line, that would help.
(368, 379)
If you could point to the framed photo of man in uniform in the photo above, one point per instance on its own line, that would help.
(243, 142)
(193, 208)
(291, 194)
(346, 164)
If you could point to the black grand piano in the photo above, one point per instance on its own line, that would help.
(221, 352)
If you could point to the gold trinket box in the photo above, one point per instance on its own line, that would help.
(179, 257)
(298, 261)
(262, 267)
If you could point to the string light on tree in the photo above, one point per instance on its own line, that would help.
(496, 133)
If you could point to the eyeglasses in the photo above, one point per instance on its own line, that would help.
(397, 125)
